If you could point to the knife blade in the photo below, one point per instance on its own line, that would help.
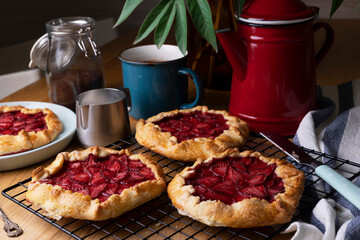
(341, 184)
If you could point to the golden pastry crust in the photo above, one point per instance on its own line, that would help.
(58, 202)
(247, 213)
(150, 135)
(24, 140)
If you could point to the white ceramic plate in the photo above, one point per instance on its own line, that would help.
(23, 159)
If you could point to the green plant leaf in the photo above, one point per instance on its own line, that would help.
(239, 5)
(181, 26)
(128, 8)
(201, 16)
(164, 26)
(152, 20)
(335, 5)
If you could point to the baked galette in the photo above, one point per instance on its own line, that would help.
(238, 189)
(23, 129)
(191, 134)
(95, 184)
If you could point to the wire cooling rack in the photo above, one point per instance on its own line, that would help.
(159, 219)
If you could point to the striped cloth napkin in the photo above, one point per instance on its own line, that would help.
(334, 129)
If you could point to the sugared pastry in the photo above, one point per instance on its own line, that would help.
(191, 134)
(23, 129)
(95, 184)
(238, 189)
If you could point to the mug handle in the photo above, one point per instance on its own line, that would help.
(328, 40)
(128, 97)
(198, 85)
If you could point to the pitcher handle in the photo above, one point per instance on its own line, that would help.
(198, 85)
(128, 97)
(328, 40)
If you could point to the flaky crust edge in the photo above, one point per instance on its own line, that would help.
(246, 213)
(29, 140)
(58, 202)
(151, 136)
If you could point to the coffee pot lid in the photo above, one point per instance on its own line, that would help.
(277, 11)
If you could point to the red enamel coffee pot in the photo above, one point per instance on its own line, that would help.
(273, 59)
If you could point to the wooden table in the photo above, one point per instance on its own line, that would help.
(341, 65)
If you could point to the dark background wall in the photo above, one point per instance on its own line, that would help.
(22, 20)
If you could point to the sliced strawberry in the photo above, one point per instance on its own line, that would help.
(5, 124)
(203, 125)
(257, 179)
(75, 165)
(235, 176)
(136, 165)
(252, 190)
(208, 181)
(168, 129)
(238, 165)
(239, 197)
(147, 173)
(220, 169)
(273, 191)
(199, 189)
(34, 125)
(110, 189)
(7, 119)
(98, 178)
(134, 176)
(115, 166)
(120, 177)
(225, 187)
(109, 174)
(81, 177)
(92, 161)
(217, 196)
(96, 190)
(65, 183)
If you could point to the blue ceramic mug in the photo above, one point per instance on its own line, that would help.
(157, 79)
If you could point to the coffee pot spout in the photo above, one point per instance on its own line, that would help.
(235, 51)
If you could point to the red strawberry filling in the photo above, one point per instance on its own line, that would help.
(101, 177)
(11, 123)
(234, 179)
(185, 126)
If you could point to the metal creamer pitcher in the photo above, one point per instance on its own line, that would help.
(102, 116)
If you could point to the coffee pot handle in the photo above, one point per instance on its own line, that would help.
(329, 39)
(198, 85)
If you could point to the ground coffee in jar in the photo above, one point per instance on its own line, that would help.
(69, 55)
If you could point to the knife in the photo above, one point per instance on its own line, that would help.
(341, 184)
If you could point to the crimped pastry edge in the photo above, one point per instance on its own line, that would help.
(247, 213)
(151, 136)
(58, 202)
(24, 140)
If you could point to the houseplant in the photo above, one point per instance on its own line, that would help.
(169, 12)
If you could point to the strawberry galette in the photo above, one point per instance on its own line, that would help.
(23, 129)
(238, 190)
(95, 184)
(191, 134)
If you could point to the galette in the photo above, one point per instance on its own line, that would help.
(238, 189)
(191, 134)
(95, 184)
(23, 129)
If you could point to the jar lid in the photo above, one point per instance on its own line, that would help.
(66, 47)
(277, 12)
(40, 49)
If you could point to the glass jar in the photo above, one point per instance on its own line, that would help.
(69, 55)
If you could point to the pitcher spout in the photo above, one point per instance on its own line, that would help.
(235, 51)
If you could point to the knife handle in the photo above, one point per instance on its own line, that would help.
(341, 184)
